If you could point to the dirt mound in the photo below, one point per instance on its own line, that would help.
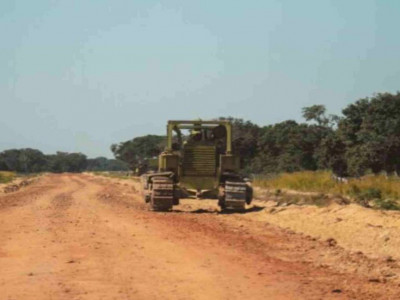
(376, 233)
(17, 185)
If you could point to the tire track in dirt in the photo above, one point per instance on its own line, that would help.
(29, 193)
(29, 238)
(268, 248)
(62, 201)
(223, 240)
(92, 238)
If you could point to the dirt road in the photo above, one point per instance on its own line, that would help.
(84, 237)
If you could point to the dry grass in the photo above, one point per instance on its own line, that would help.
(300, 181)
(117, 174)
(6, 176)
(376, 190)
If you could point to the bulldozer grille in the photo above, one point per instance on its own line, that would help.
(199, 160)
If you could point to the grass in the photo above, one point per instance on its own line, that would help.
(300, 181)
(378, 191)
(6, 176)
(117, 174)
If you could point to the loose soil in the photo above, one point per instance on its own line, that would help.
(77, 236)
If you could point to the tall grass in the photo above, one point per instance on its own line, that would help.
(383, 190)
(6, 176)
(306, 181)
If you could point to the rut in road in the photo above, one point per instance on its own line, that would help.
(81, 237)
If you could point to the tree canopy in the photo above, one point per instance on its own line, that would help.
(137, 152)
(366, 138)
(33, 161)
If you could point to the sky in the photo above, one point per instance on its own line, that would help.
(78, 76)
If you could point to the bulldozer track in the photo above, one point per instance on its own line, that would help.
(235, 195)
(162, 194)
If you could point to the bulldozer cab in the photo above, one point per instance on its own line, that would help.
(199, 158)
(200, 132)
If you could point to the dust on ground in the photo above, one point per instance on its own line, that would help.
(76, 236)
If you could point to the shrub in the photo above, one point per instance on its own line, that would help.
(6, 176)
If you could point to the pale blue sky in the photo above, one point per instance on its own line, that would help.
(81, 75)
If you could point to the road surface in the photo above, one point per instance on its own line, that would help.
(77, 236)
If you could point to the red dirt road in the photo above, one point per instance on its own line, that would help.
(84, 237)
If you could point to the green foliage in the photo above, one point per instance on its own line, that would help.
(288, 147)
(315, 113)
(6, 176)
(67, 162)
(387, 204)
(105, 164)
(331, 155)
(137, 152)
(364, 196)
(23, 160)
(370, 129)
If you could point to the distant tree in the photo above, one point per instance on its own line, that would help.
(138, 151)
(31, 161)
(3, 166)
(117, 165)
(370, 129)
(11, 159)
(289, 147)
(331, 155)
(67, 162)
(57, 163)
(23, 160)
(77, 162)
(105, 164)
(97, 164)
(317, 113)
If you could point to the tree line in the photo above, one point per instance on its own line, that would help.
(34, 161)
(364, 139)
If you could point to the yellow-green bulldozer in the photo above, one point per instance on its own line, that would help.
(199, 164)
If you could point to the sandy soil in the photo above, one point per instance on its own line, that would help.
(85, 237)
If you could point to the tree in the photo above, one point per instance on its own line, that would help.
(105, 164)
(11, 159)
(137, 152)
(317, 113)
(288, 147)
(31, 161)
(370, 129)
(3, 166)
(331, 155)
(67, 162)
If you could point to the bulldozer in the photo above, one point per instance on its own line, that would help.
(197, 165)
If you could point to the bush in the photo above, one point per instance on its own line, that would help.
(6, 176)
(387, 204)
